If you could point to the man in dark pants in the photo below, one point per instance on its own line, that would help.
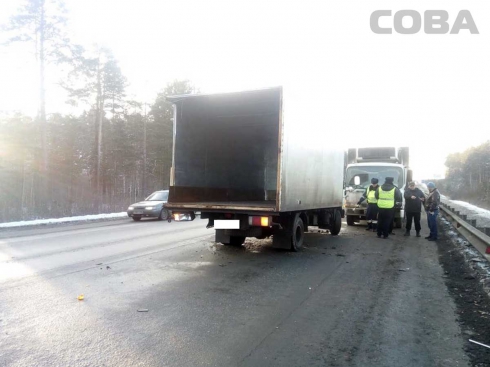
(372, 209)
(413, 207)
(432, 207)
(388, 195)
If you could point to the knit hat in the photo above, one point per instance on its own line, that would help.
(374, 181)
(431, 185)
(389, 180)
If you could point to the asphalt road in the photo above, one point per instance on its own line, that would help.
(350, 300)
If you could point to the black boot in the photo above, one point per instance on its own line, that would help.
(407, 233)
(369, 227)
(418, 234)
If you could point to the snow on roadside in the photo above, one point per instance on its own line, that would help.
(477, 262)
(482, 216)
(63, 220)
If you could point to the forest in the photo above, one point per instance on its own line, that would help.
(468, 176)
(114, 152)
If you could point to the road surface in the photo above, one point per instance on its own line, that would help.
(163, 294)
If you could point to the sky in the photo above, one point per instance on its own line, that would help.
(428, 92)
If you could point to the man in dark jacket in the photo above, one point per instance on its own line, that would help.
(432, 207)
(389, 197)
(372, 209)
(413, 207)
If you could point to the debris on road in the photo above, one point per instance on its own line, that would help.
(143, 310)
(107, 267)
(404, 269)
(81, 297)
(99, 264)
(484, 345)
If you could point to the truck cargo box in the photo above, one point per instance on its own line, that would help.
(241, 152)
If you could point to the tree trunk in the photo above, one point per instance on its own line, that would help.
(144, 153)
(43, 182)
(100, 113)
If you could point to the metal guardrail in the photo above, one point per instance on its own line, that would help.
(468, 224)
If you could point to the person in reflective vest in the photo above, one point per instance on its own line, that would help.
(388, 196)
(372, 208)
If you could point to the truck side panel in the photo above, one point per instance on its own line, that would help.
(312, 162)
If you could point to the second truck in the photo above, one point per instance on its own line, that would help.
(363, 164)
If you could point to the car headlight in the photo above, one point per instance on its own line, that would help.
(150, 208)
(130, 208)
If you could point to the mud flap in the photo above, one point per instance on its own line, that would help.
(282, 239)
(221, 236)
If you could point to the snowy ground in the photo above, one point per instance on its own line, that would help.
(482, 216)
(63, 220)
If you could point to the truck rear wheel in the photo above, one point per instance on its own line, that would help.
(298, 234)
(336, 223)
(350, 220)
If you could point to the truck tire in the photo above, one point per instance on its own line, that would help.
(236, 241)
(336, 223)
(350, 220)
(163, 214)
(298, 234)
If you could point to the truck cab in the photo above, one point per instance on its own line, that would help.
(367, 163)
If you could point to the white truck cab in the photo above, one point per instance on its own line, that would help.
(365, 164)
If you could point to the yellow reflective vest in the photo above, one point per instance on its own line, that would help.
(371, 197)
(386, 199)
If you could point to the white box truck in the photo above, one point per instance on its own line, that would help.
(254, 168)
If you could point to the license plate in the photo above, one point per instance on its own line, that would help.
(138, 211)
(227, 224)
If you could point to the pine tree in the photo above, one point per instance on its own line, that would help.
(41, 23)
